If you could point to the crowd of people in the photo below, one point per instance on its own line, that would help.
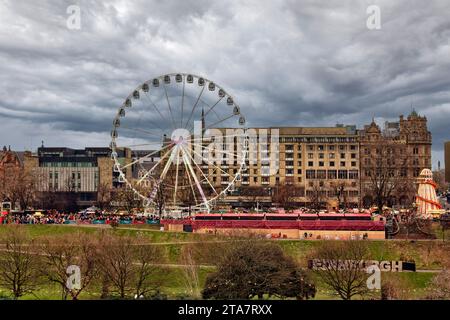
(82, 217)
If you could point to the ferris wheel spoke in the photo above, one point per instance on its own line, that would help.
(215, 166)
(144, 131)
(195, 105)
(176, 177)
(146, 156)
(170, 108)
(153, 168)
(201, 171)
(190, 183)
(204, 139)
(156, 108)
(220, 121)
(194, 176)
(233, 155)
(213, 106)
(150, 121)
(182, 102)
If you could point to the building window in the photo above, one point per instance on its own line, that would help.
(342, 174)
(331, 148)
(321, 174)
(310, 155)
(299, 155)
(310, 163)
(321, 164)
(353, 156)
(353, 163)
(342, 148)
(342, 155)
(353, 147)
(332, 174)
(299, 163)
(299, 171)
(310, 174)
(321, 156)
(310, 148)
(353, 174)
(416, 150)
(342, 163)
(320, 148)
(331, 155)
(331, 163)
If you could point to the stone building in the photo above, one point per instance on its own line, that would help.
(73, 175)
(11, 167)
(404, 148)
(315, 166)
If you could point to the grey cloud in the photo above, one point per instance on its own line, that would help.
(286, 62)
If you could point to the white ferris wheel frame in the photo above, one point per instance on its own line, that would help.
(205, 204)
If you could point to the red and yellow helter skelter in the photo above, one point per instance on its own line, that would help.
(426, 199)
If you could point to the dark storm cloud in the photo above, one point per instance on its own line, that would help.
(286, 62)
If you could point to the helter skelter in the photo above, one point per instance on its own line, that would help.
(426, 199)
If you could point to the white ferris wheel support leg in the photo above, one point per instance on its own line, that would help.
(197, 183)
(153, 168)
(206, 178)
(176, 177)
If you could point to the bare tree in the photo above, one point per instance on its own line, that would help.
(127, 198)
(384, 175)
(147, 257)
(161, 199)
(439, 178)
(19, 186)
(190, 272)
(59, 253)
(127, 265)
(18, 262)
(316, 195)
(341, 268)
(283, 194)
(103, 196)
(340, 191)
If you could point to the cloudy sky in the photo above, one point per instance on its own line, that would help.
(286, 62)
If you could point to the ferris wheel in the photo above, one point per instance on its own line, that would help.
(188, 143)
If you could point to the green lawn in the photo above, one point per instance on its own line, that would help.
(427, 255)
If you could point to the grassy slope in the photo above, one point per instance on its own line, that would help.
(421, 252)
